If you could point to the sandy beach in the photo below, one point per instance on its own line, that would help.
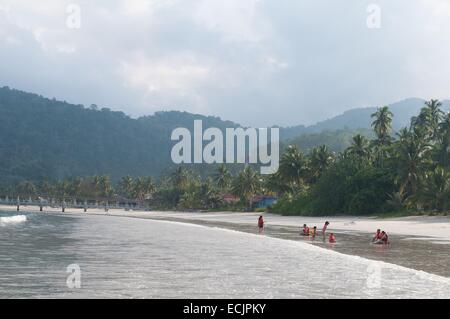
(432, 228)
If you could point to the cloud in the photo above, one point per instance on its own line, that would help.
(258, 62)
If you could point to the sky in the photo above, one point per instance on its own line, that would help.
(255, 62)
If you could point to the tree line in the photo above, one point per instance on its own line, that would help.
(402, 171)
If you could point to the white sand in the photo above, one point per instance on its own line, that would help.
(436, 229)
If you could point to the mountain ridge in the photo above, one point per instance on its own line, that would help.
(42, 137)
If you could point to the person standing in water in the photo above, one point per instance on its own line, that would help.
(324, 230)
(313, 232)
(260, 224)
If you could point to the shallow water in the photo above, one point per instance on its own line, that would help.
(136, 258)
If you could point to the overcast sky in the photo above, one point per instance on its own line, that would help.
(256, 62)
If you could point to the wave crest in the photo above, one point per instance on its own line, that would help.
(13, 219)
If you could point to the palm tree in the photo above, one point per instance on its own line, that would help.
(403, 134)
(27, 189)
(435, 190)
(209, 194)
(223, 177)
(411, 154)
(143, 188)
(319, 160)
(180, 178)
(246, 185)
(360, 147)
(293, 166)
(76, 187)
(95, 183)
(435, 115)
(427, 122)
(105, 187)
(382, 124)
(126, 185)
(46, 188)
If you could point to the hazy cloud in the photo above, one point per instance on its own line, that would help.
(256, 62)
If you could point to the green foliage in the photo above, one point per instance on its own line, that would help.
(382, 176)
(51, 149)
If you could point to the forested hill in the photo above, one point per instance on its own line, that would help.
(42, 137)
(359, 118)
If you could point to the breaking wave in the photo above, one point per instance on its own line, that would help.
(13, 219)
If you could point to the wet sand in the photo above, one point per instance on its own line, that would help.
(426, 253)
(405, 251)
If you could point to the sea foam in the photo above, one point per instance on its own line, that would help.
(13, 219)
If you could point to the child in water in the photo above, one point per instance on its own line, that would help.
(332, 239)
(313, 232)
(260, 224)
(305, 230)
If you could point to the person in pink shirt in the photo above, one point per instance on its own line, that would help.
(324, 230)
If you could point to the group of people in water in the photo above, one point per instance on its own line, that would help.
(380, 238)
(312, 232)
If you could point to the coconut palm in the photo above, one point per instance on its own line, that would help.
(104, 186)
(143, 189)
(319, 159)
(411, 155)
(223, 178)
(427, 122)
(382, 124)
(209, 194)
(246, 185)
(403, 134)
(180, 178)
(293, 166)
(435, 190)
(435, 115)
(360, 147)
(126, 186)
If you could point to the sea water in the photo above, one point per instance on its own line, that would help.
(120, 257)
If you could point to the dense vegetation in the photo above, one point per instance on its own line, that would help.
(55, 150)
(42, 138)
(406, 172)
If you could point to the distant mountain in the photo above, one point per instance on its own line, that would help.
(359, 118)
(41, 137)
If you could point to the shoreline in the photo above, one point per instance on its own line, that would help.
(420, 243)
(433, 228)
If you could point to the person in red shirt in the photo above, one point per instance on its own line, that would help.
(305, 230)
(332, 238)
(377, 236)
(260, 224)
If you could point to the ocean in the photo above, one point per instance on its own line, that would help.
(50, 255)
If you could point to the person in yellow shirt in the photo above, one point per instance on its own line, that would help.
(313, 232)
